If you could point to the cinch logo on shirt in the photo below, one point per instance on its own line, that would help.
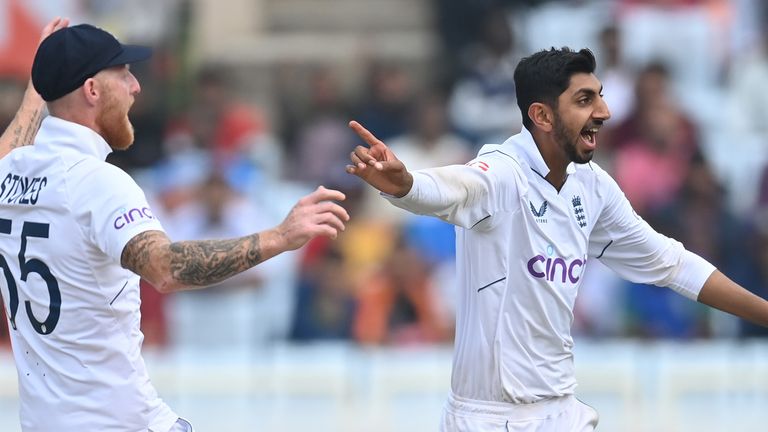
(128, 217)
(550, 268)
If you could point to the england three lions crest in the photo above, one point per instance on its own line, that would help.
(578, 211)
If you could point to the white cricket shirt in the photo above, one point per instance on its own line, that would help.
(65, 216)
(522, 247)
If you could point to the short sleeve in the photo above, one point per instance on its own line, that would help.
(110, 206)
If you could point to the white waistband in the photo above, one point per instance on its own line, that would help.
(509, 411)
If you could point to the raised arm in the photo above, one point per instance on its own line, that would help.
(22, 129)
(463, 195)
(174, 266)
(722, 293)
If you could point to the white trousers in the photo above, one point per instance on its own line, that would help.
(564, 414)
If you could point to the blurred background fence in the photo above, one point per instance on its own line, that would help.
(244, 108)
(636, 387)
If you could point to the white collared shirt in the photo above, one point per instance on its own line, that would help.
(65, 216)
(522, 247)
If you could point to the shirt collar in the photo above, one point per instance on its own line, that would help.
(527, 149)
(64, 133)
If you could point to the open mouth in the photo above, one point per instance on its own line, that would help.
(589, 137)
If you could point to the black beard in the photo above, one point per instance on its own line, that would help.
(568, 144)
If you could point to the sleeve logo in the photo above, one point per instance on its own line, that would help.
(479, 164)
(128, 217)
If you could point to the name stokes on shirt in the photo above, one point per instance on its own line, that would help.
(18, 189)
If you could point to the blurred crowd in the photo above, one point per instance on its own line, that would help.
(687, 85)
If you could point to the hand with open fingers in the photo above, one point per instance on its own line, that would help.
(377, 165)
(314, 215)
(57, 23)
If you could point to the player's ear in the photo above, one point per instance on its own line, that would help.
(90, 91)
(541, 115)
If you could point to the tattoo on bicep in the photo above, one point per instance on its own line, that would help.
(211, 261)
(138, 252)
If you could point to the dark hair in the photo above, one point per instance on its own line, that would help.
(545, 75)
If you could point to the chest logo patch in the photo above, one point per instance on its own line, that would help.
(578, 211)
(539, 214)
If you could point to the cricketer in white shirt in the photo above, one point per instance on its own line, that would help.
(522, 247)
(65, 216)
(530, 214)
(75, 232)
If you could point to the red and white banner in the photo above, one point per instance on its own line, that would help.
(20, 24)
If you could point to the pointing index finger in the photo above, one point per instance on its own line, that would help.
(365, 134)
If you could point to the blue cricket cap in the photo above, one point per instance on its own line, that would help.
(69, 56)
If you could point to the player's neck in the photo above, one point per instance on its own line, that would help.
(75, 114)
(556, 179)
(556, 161)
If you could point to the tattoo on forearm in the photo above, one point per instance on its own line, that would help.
(211, 261)
(24, 131)
(33, 126)
(192, 263)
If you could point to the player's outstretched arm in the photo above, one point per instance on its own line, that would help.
(722, 293)
(195, 264)
(22, 129)
(377, 165)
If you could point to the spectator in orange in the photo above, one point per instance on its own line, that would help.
(398, 305)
